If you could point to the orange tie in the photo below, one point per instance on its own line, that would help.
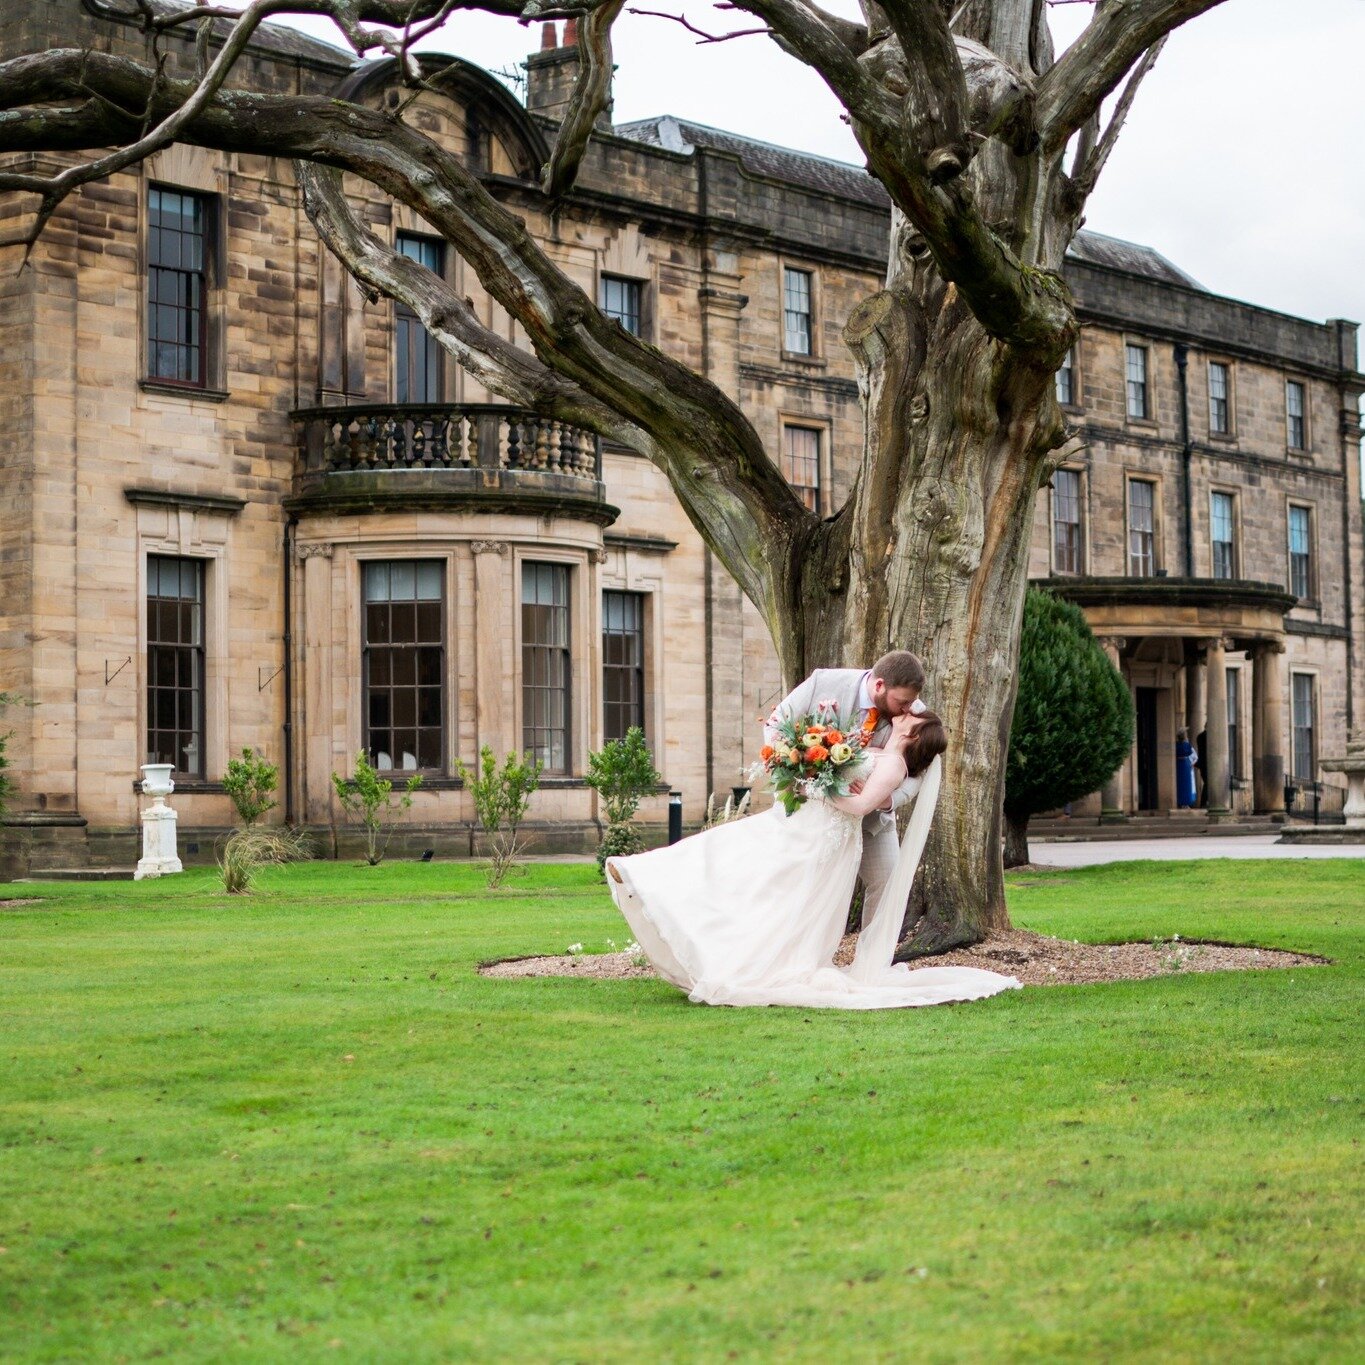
(873, 720)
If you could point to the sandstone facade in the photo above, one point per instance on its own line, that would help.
(277, 472)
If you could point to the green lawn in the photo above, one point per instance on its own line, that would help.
(299, 1125)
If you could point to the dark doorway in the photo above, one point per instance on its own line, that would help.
(1146, 748)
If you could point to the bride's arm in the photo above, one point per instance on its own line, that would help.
(886, 776)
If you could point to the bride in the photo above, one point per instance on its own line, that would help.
(751, 912)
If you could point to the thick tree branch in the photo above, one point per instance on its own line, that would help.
(492, 360)
(1088, 168)
(591, 97)
(695, 433)
(1092, 67)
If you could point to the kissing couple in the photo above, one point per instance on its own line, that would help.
(751, 912)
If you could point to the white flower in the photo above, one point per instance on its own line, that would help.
(575, 948)
(840, 753)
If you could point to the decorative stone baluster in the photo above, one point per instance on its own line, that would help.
(541, 459)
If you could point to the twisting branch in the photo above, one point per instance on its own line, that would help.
(1087, 170)
(491, 359)
(703, 37)
(1092, 67)
(591, 97)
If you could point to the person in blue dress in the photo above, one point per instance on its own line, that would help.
(1185, 796)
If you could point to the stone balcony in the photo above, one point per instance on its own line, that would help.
(385, 457)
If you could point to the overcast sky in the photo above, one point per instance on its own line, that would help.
(1241, 161)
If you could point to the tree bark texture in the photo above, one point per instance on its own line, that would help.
(1016, 842)
(964, 117)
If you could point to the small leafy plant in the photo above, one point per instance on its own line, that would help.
(622, 773)
(370, 797)
(250, 781)
(248, 850)
(501, 798)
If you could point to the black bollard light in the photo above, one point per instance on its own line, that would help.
(674, 817)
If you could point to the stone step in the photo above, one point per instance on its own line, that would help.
(1089, 831)
(79, 874)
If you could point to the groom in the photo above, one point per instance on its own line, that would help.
(890, 687)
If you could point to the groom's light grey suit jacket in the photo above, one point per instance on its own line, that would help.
(843, 686)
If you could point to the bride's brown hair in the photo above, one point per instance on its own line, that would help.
(929, 740)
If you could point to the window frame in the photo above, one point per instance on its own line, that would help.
(199, 652)
(442, 769)
(1234, 529)
(1143, 349)
(640, 603)
(1302, 386)
(1228, 431)
(812, 351)
(1311, 680)
(607, 277)
(405, 321)
(1154, 531)
(1292, 506)
(1070, 366)
(1081, 538)
(821, 434)
(569, 570)
(208, 275)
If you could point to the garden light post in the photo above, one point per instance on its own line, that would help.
(674, 817)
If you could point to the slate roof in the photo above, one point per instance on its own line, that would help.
(852, 182)
(279, 38)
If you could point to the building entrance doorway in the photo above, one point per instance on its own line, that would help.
(1148, 785)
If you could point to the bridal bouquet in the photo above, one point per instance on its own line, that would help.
(811, 755)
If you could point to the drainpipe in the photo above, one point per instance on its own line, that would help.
(289, 668)
(1186, 453)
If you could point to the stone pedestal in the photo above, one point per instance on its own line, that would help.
(158, 825)
(1353, 765)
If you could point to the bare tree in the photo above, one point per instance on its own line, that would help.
(988, 148)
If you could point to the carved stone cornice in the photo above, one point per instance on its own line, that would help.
(316, 551)
(489, 547)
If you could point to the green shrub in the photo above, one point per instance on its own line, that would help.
(501, 799)
(250, 781)
(622, 773)
(1073, 717)
(370, 797)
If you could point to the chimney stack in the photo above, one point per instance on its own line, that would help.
(552, 73)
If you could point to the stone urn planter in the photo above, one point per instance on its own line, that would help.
(158, 824)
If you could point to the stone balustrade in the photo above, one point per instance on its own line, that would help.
(376, 436)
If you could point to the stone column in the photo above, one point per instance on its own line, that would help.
(1194, 702)
(496, 599)
(1267, 725)
(1111, 794)
(1216, 729)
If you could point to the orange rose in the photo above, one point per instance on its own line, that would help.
(834, 736)
(766, 752)
(817, 754)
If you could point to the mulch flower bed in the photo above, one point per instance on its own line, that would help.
(1034, 958)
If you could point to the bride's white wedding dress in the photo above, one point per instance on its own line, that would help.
(751, 912)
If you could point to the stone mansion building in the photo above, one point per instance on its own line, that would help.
(247, 508)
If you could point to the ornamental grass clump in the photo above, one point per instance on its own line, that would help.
(248, 850)
(370, 797)
(622, 773)
(501, 799)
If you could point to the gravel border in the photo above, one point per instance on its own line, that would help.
(1034, 958)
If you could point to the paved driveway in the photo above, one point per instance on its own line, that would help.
(1060, 854)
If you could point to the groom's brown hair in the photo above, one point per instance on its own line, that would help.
(900, 668)
(929, 740)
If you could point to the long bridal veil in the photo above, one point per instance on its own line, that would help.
(880, 933)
